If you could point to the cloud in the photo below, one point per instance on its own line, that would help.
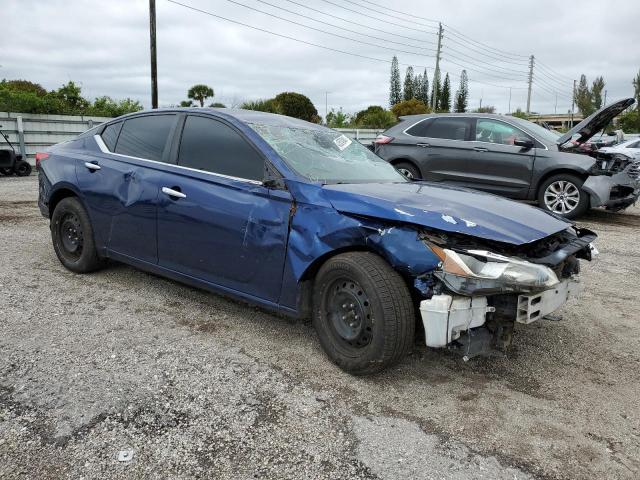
(105, 47)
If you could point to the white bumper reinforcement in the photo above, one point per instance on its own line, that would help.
(445, 317)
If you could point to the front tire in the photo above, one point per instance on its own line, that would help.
(562, 194)
(363, 313)
(72, 237)
(408, 170)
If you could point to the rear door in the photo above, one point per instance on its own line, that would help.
(498, 166)
(442, 148)
(217, 222)
(120, 183)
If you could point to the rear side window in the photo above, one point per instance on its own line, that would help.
(634, 145)
(110, 135)
(212, 146)
(145, 137)
(450, 128)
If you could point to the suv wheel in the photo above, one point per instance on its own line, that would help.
(562, 194)
(363, 313)
(72, 237)
(408, 170)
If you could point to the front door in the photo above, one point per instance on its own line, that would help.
(216, 221)
(498, 166)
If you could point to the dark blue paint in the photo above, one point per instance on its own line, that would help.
(258, 243)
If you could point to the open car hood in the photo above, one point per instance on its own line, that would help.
(595, 122)
(447, 208)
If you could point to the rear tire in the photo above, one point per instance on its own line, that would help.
(22, 168)
(562, 194)
(72, 237)
(408, 170)
(363, 313)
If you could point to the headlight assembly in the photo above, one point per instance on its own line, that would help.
(478, 272)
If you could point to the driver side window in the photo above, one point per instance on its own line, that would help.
(494, 131)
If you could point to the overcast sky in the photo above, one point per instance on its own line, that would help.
(105, 47)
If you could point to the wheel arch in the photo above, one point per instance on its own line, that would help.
(60, 193)
(408, 160)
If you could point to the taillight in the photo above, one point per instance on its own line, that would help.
(382, 140)
(39, 157)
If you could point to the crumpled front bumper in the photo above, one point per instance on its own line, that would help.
(446, 317)
(615, 192)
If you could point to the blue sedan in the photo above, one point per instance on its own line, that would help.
(301, 219)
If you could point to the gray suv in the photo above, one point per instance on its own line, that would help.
(514, 158)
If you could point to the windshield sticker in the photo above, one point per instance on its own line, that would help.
(342, 142)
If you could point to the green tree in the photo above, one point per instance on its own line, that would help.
(200, 93)
(269, 106)
(417, 83)
(71, 96)
(217, 105)
(629, 121)
(596, 92)
(435, 91)
(486, 109)
(444, 99)
(408, 92)
(395, 88)
(23, 86)
(374, 117)
(636, 90)
(462, 95)
(583, 98)
(297, 105)
(337, 119)
(108, 107)
(423, 93)
(187, 103)
(520, 114)
(410, 107)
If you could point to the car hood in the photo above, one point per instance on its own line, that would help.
(595, 122)
(446, 208)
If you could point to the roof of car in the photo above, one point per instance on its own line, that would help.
(245, 116)
(430, 115)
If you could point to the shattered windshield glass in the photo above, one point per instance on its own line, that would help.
(327, 156)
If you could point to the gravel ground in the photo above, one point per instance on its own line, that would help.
(195, 385)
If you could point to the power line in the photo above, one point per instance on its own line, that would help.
(468, 58)
(360, 24)
(554, 73)
(175, 2)
(387, 14)
(413, 16)
(342, 28)
(386, 20)
(320, 30)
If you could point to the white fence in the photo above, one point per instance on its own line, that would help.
(30, 133)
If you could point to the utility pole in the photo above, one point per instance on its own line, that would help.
(436, 74)
(154, 57)
(555, 107)
(573, 102)
(605, 99)
(509, 110)
(531, 61)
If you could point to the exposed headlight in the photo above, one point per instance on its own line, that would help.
(478, 271)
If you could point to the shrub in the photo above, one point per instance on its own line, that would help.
(410, 107)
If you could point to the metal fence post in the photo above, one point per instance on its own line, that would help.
(23, 150)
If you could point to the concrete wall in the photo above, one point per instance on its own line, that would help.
(31, 133)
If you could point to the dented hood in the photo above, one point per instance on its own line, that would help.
(447, 208)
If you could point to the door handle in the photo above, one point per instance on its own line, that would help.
(92, 166)
(423, 145)
(480, 149)
(173, 193)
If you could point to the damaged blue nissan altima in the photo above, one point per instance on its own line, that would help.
(300, 219)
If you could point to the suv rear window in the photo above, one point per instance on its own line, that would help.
(450, 128)
(145, 137)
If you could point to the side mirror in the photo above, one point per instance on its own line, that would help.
(524, 143)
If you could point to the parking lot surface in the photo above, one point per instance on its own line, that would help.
(122, 374)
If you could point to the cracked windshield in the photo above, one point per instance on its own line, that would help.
(326, 156)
